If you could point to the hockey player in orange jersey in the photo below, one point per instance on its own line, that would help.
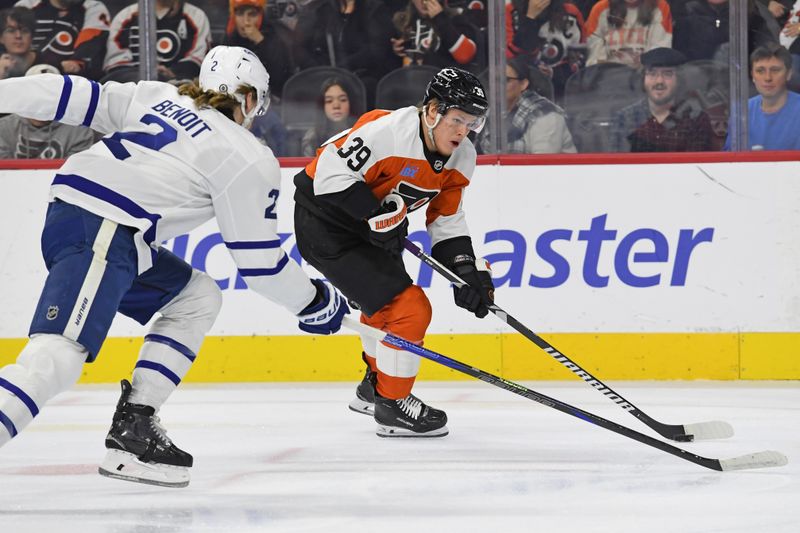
(350, 223)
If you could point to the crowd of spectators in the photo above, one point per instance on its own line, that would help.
(557, 51)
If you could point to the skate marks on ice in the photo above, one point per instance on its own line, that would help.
(294, 458)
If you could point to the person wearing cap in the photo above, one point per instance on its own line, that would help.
(249, 28)
(661, 122)
(28, 138)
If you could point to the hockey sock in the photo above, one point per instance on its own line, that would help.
(174, 340)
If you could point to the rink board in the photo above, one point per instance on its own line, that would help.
(636, 271)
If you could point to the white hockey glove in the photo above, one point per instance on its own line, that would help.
(324, 314)
(388, 226)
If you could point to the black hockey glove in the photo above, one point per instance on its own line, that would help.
(388, 226)
(478, 294)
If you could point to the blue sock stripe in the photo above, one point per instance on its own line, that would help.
(172, 343)
(19, 393)
(158, 367)
(12, 430)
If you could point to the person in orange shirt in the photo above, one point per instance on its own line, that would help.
(350, 222)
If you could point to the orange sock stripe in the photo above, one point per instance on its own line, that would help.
(393, 387)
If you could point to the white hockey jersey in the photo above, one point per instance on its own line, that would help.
(166, 167)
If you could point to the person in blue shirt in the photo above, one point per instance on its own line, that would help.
(773, 116)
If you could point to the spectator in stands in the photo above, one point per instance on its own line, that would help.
(333, 116)
(182, 40)
(788, 37)
(22, 138)
(702, 31)
(70, 34)
(659, 122)
(778, 9)
(773, 116)
(551, 32)
(702, 28)
(619, 31)
(16, 37)
(432, 34)
(249, 28)
(349, 34)
(535, 125)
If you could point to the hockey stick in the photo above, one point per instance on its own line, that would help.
(754, 460)
(714, 429)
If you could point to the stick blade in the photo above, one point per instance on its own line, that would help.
(715, 429)
(766, 459)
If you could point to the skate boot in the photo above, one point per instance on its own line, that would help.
(139, 449)
(364, 402)
(408, 417)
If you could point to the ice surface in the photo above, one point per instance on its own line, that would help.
(293, 458)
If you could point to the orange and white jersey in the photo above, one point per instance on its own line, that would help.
(624, 44)
(385, 150)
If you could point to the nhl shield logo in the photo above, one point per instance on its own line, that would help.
(52, 312)
(437, 166)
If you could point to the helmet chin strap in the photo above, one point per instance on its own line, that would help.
(431, 126)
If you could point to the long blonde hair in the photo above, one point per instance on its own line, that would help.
(224, 103)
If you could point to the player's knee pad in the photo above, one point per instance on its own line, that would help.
(52, 363)
(407, 315)
(49, 364)
(188, 317)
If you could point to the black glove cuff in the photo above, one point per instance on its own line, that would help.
(447, 250)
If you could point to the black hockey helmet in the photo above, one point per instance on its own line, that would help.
(459, 89)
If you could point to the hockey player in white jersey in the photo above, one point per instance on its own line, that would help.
(171, 160)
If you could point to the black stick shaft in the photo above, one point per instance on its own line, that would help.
(670, 431)
(402, 344)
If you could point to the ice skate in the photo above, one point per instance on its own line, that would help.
(364, 402)
(408, 417)
(139, 449)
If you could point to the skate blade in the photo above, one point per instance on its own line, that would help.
(125, 466)
(360, 406)
(394, 432)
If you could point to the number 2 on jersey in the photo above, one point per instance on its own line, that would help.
(356, 153)
(270, 211)
(154, 141)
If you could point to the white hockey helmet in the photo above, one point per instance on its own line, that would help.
(226, 68)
